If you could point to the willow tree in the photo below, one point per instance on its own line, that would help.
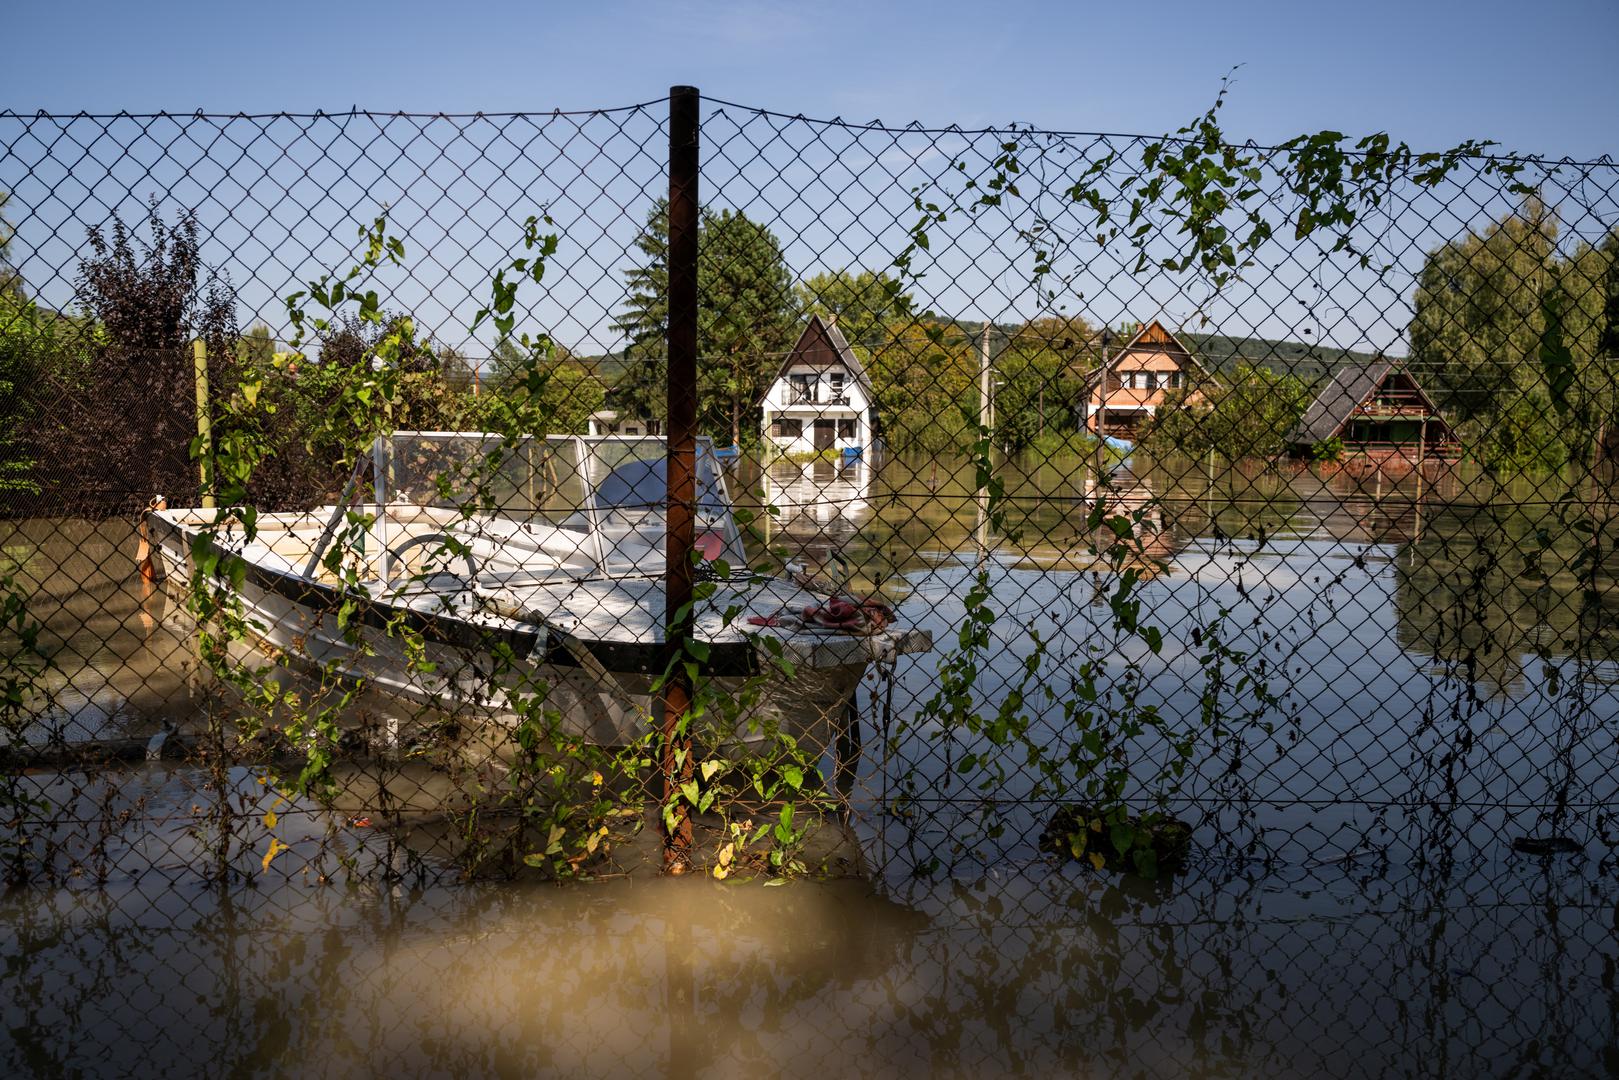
(1517, 340)
(1476, 333)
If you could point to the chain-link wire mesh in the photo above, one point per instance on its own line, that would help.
(1058, 506)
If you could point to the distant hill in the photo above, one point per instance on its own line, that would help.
(1312, 363)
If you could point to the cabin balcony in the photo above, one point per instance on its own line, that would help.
(1392, 412)
(814, 408)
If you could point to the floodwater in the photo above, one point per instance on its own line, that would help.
(1445, 646)
(1444, 674)
(1501, 969)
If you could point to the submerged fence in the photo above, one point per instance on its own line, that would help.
(544, 493)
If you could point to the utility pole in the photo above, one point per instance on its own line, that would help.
(1101, 410)
(985, 422)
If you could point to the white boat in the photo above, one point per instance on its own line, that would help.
(547, 551)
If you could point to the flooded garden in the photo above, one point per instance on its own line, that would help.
(1081, 605)
(1326, 937)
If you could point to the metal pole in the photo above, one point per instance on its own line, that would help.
(677, 764)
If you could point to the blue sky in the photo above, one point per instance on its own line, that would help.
(1537, 77)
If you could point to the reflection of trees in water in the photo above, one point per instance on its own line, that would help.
(1484, 589)
(1519, 622)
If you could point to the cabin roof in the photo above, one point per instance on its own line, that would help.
(1150, 334)
(824, 338)
(1348, 390)
(1156, 333)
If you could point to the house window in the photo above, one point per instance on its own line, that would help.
(800, 388)
(787, 429)
(837, 388)
(1175, 380)
(1152, 380)
(845, 429)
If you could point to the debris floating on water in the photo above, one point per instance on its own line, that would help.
(1545, 845)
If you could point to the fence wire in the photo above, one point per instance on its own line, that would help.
(1062, 504)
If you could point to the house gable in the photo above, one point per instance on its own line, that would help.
(1378, 391)
(1149, 346)
(823, 348)
(1149, 363)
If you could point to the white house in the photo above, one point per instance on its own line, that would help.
(821, 398)
(607, 422)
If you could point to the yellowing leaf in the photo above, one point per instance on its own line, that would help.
(1097, 860)
(276, 848)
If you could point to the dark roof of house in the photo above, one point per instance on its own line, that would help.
(1331, 408)
(824, 337)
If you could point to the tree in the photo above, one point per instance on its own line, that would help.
(458, 369)
(257, 347)
(747, 320)
(506, 362)
(1589, 322)
(1040, 369)
(136, 413)
(644, 321)
(10, 280)
(922, 378)
(1475, 336)
(349, 340)
(1496, 313)
(868, 307)
(1247, 414)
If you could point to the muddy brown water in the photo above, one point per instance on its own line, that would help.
(1451, 959)
(1500, 970)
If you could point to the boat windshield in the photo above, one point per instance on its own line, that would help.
(643, 485)
(599, 499)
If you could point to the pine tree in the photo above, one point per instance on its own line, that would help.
(747, 320)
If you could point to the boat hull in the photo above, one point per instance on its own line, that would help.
(490, 675)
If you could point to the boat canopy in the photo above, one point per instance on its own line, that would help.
(596, 504)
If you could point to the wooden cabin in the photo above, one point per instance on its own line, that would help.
(821, 397)
(1137, 378)
(1378, 410)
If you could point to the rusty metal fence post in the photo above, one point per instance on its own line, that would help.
(682, 463)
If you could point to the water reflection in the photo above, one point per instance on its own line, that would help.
(1438, 640)
(1043, 973)
(1439, 648)
(1444, 656)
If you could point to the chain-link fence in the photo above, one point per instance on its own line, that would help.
(437, 497)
